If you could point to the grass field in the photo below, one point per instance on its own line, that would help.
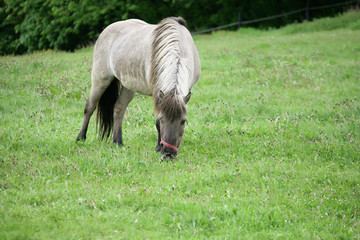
(271, 149)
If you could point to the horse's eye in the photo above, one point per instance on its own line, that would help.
(183, 121)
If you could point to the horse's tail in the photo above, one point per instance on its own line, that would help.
(105, 109)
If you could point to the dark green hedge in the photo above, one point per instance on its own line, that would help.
(66, 25)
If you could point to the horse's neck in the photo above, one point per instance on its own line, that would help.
(172, 71)
(175, 77)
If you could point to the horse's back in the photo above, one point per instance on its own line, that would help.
(123, 50)
(116, 33)
(122, 27)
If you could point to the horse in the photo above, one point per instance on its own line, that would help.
(133, 56)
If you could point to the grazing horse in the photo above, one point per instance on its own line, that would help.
(133, 56)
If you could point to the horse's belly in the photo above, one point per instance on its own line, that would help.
(136, 85)
(132, 74)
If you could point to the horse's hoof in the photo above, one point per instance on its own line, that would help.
(120, 144)
(80, 138)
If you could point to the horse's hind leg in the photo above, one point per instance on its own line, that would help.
(87, 115)
(98, 87)
(121, 104)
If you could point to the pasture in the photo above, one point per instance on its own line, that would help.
(271, 149)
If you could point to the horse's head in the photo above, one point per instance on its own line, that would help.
(170, 123)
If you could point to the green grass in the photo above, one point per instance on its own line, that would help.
(349, 20)
(271, 150)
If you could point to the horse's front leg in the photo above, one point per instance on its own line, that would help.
(158, 146)
(121, 104)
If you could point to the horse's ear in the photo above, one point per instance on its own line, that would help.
(161, 94)
(187, 98)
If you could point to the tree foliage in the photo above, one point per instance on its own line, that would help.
(69, 24)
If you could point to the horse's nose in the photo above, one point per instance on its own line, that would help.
(168, 153)
(167, 156)
(168, 149)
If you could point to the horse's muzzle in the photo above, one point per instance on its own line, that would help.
(168, 145)
(168, 151)
(167, 156)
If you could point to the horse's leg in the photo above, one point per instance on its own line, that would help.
(121, 104)
(88, 111)
(98, 87)
(158, 146)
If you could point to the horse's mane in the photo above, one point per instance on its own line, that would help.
(168, 67)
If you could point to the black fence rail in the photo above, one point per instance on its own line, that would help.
(306, 10)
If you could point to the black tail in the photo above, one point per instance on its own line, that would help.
(105, 109)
